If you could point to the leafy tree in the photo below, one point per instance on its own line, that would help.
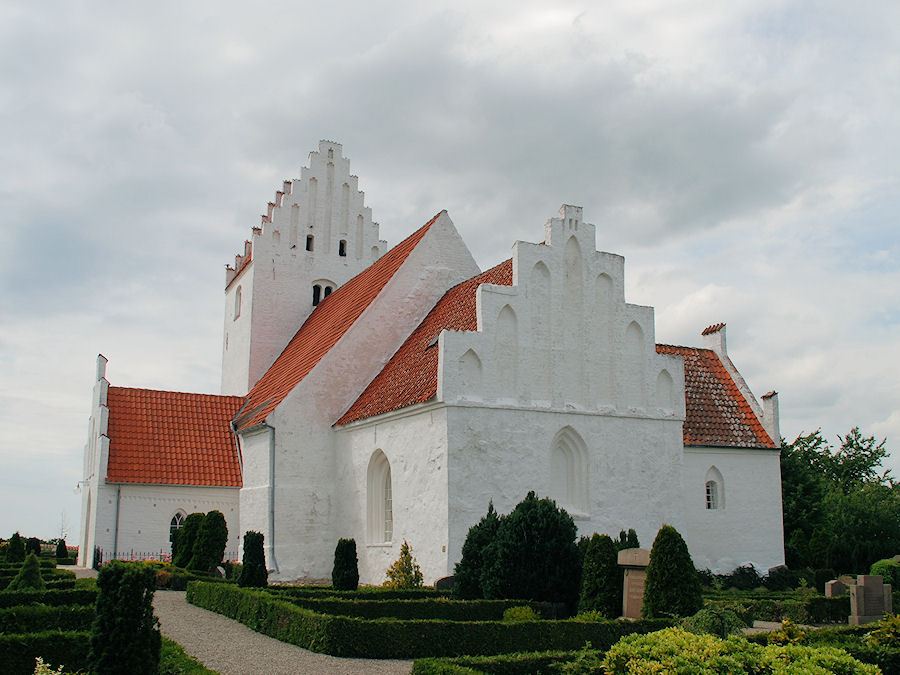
(125, 635)
(15, 552)
(62, 553)
(467, 573)
(672, 587)
(345, 572)
(404, 572)
(29, 577)
(209, 545)
(253, 570)
(534, 555)
(33, 545)
(601, 578)
(187, 536)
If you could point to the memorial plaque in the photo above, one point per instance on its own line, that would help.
(635, 561)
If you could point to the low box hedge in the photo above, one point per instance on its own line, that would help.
(522, 663)
(815, 609)
(362, 593)
(403, 639)
(37, 618)
(15, 567)
(427, 608)
(68, 648)
(54, 598)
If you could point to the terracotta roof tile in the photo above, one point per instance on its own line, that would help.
(411, 374)
(321, 331)
(716, 413)
(172, 438)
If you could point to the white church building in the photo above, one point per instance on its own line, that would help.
(390, 394)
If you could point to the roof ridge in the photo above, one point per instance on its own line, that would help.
(174, 391)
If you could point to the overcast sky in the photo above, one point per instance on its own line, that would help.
(741, 155)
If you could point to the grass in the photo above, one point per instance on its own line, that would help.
(173, 660)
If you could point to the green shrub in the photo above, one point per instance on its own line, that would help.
(387, 638)
(232, 570)
(672, 587)
(627, 540)
(888, 569)
(362, 593)
(209, 545)
(253, 571)
(601, 578)
(62, 553)
(33, 545)
(522, 663)
(743, 578)
(677, 651)
(885, 633)
(520, 613)
(173, 660)
(37, 618)
(29, 577)
(185, 540)
(69, 648)
(422, 608)
(815, 609)
(467, 572)
(404, 572)
(533, 555)
(52, 598)
(15, 551)
(345, 572)
(714, 621)
(125, 636)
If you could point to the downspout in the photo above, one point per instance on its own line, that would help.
(116, 524)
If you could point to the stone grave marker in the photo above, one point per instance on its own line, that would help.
(635, 561)
(870, 598)
(835, 588)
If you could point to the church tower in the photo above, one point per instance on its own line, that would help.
(316, 235)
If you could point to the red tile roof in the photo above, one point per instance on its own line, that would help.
(716, 413)
(411, 374)
(172, 438)
(321, 331)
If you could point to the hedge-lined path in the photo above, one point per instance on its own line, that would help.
(231, 648)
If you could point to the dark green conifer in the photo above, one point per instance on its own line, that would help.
(672, 586)
(187, 536)
(15, 551)
(345, 572)
(253, 570)
(601, 578)
(29, 577)
(467, 573)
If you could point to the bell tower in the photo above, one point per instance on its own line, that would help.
(316, 235)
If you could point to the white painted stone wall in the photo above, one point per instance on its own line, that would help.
(324, 203)
(305, 491)
(747, 528)
(415, 442)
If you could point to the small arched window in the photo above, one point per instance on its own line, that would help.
(309, 242)
(712, 495)
(326, 292)
(380, 500)
(175, 524)
(342, 248)
(715, 490)
(237, 302)
(317, 294)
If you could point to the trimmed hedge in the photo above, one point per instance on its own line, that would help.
(428, 608)
(815, 609)
(364, 593)
(69, 648)
(44, 563)
(38, 618)
(54, 598)
(522, 663)
(393, 638)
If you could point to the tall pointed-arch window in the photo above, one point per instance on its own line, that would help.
(175, 524)
(237, 302)
(380, 500)
(715, 490)
(317, 294)
(569, 472)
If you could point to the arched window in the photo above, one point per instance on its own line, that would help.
(309, 242)
(380, 500)
(237, 302)
(715, 490)
(317, 294)
(342, 248)
(175, 524)
(569, 471)
(326, 292)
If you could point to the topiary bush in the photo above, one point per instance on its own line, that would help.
(33, 545)
(533, 555)
(601, 578)
(467, 572)
(62, 553)
(345, 572)
(253, 567)
(672, 587)
(15, 551)
(184, 542)
(714, 621)
(125, 637)
(29, 577)
(627, 540)
(209, 544)
(520, 613)
(404, 572)
(887, 568)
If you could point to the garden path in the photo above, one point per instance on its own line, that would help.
(231, 648)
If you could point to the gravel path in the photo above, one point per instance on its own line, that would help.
(231, 648)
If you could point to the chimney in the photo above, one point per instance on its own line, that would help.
(714, 338)
(770, 416)
(101, 367)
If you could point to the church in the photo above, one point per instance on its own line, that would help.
(389, 394)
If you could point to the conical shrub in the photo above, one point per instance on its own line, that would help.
(672, 586)
(29, 577)
(345, 572)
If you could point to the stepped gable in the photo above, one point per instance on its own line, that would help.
(411, 374)
(320, 332)
(172, 438)
(716, 413)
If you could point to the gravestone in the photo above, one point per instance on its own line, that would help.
(870, 598)
(444, 584)
(835, 588)
(635, 561)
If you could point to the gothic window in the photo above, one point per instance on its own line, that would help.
(715, 490)
(237, 302)
(380, 501)
(309, 242)
(569, 471)
(175, 524)
(317, 294)
(342, 248)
